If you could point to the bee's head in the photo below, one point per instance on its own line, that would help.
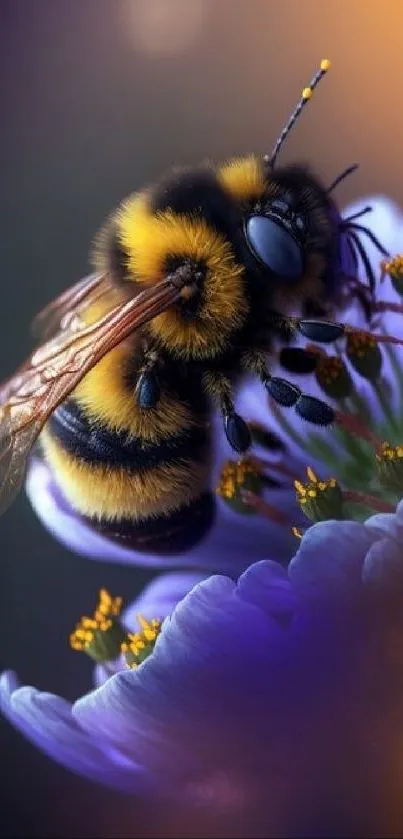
(291, 236)
(281, 228)
(276, 233)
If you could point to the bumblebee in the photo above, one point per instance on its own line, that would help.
(195, 278)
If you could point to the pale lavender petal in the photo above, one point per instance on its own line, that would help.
(399, 514)
(159, 598)
(208, 633)
(266, 584)
(46, 720)
(232, 544)
(230, 690)
(386, 524)
(383, 566)
(385, 221)
(103, 672)
(331, 555)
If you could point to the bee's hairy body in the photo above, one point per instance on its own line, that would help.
(133, 472)
(142, 474)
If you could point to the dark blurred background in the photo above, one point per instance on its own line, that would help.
(97, 98)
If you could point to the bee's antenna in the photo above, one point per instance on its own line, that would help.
(306, 95)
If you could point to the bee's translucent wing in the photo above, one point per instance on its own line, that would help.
(14, 447)
(54, 370)
(68, 305)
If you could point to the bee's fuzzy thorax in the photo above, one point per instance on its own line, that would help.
(152, 241)
(243, 178)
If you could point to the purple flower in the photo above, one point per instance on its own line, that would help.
(281, 693)
(236, 540)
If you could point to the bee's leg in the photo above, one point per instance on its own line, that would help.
(148, 390)
(218, 387)
(307, 407)
(287, 394)
(326, 332)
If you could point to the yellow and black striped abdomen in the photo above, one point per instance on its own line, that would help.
(140, 475)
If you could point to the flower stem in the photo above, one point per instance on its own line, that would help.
(353, 424)
(264, 463)
(385, 404)
(352, 443)
(285, 425)
(387, 306)
(263, 508)
(368, 501)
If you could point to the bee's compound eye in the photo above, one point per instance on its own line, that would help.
(274, 246)
(280, 205)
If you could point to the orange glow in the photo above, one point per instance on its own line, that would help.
(164, 26)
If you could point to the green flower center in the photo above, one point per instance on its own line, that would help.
(101, 636)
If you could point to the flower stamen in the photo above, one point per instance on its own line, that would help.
(394, 269)
(100, 636)
(390, 466)
(324, 500)
(137, 646)
(333, 377)
(237, 476)
(364, 354)
(319, 500)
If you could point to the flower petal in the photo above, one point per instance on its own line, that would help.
(46, 720)
(386, 524)
(159, 598)
(229, 692)
(232, 544)
(383, 566)
(385, 221)
(331, 555)
(266, 584)
(195, 659)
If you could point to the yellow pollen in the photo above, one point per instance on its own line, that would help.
(139, 641)
(88, 623)
(393, 267)
(314, 488)
(325, 65)
(388, 452)
(107, 608)
(307, 93)
(233, 476)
